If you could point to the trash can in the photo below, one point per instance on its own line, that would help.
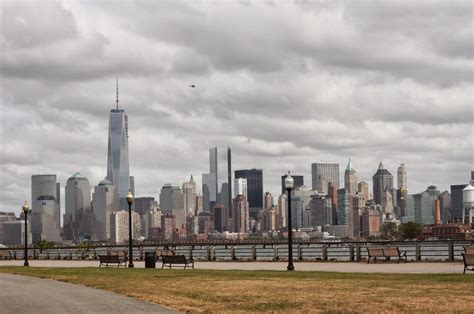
(150, 260)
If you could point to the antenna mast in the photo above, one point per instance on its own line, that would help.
(116, 86)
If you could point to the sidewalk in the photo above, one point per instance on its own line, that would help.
(412, 267)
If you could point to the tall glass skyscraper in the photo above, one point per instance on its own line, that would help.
(254, 189)
(217, 184)
(117, 158)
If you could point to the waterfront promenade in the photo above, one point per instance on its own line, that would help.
(353, 267)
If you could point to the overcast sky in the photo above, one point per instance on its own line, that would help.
(283, 83)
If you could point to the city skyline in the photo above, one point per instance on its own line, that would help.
(340, 105)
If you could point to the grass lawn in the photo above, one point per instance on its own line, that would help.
(274, 291)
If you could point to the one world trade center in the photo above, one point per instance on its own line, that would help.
(117, 157)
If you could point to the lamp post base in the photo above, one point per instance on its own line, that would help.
(290, 267)
(26, 264)
(131, 265)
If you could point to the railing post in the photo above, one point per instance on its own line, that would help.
(358, 254)
(190, 252)
(451, 250)
(208, 253)
(141, 252)
(254, 252)
(351, 252)
(325, 253)
(418, 252)
(300, 252)
(70, 254)
(213, 253)
(232, 253)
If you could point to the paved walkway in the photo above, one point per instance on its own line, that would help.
(21, 294)
(421, 267)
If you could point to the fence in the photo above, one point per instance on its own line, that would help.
(255, 251)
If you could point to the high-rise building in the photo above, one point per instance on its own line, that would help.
(457, 207)
(420, 208)
(402, 177)
(119, 226)
(282, 210)
(240, 187)
(14, 232)
(350, 179)
(344, 207)
(220, 218)
(300, 199)
(105, 201)
(4, 217)
(332, 194)
(152, 224)
(171, 201)
(241, 214)
(117, 156)
(45, 201)
(298, 181)
(370, 223)
(217, 184)
(254, 189)
(363, 189)
(78, 216)
(268, 200)
(189, 196)
(382, 181)
(144, 204)
(322, 174)
(198, 205)
(445, 204)
(321, 210)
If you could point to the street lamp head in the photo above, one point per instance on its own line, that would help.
(289, 182)
(129, 197)
(26, 207)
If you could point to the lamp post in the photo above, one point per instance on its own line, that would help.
(26, 208)
(130, 249)
(289, 183)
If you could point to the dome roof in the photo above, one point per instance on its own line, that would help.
(469, 188)
(105, 182)
(77, 176)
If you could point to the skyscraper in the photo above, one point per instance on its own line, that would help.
(322, 174)
(402, 177)
(241, 214)
(217, 184)
(189, 196)
(240, 187)
(350, 179)
(363, 189)
(298, 181)
(105, 201)
(254, 189)
(382, 181)
(45, 201)
(117, 157)
(457, 201)
(78, 216)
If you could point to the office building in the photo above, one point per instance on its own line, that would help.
(445, 205)
(254, 189)
(282, 210)
(268, 200)
(382, 181)
(171, 201)
(370, 223)
(322, 174)
(332, 194)
(420, 208)
(240, 187)
(152, 224)
(168, 227)
(363, 189)
(45, 210)
(321, 210)
(198, 205)
(14, 233)
(344, 207)
(77, 222)
(220, 218)
(4, 217)
(117, 155)
(350, 179)
(142, 205)
(217, 184)
(402, 177)
(457, 207)
(105, 201)
(241, 214)
(298, 181)
(300, 199)
(119, 222)
(189, 196)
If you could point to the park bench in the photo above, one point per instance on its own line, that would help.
(469, 249)
(163, 252)
(117, 257)
(468, 261)
(386, 253)
(373, 253)
(169, 260)
(4, 254)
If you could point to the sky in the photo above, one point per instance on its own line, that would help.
(283, 83)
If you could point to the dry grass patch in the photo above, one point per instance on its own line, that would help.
(273, 291)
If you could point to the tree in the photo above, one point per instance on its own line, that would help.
(410, 230)
(390, 231)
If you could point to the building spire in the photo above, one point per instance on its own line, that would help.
(116, 87)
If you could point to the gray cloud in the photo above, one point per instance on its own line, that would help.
(283, 84)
